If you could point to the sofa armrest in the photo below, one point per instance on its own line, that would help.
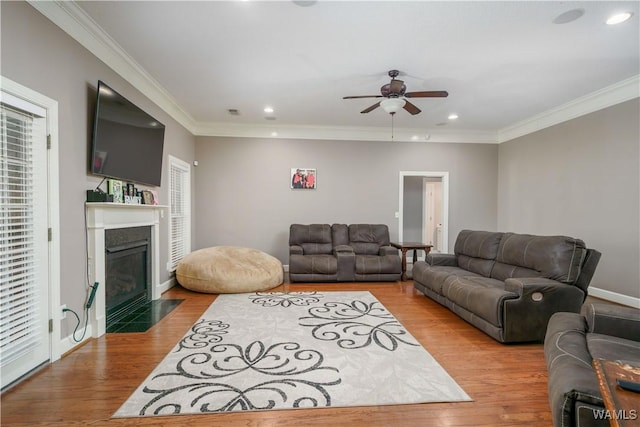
(528, 286)
(295, 250)
(526, 316)
(572, 380)
(342, 249)
(614, 320)
(346, 263)
(388, 250)
(447, 260)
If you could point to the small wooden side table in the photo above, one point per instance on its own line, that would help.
(408, 246)
(621, 405)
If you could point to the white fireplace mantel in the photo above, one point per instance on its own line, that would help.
(105, 216)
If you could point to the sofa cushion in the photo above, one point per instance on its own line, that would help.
(366, 239)
(482, 296)
(553, 257)
(373, 264)
(434, 277)
(477, 250)
(313, 264)
(613, 348)
(340, 234)
(502, 271)
(313, 238)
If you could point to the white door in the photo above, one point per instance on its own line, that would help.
(432, 213)
(25, 342)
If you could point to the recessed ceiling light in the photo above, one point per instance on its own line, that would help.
(274, 133)
(619, 18)
(268, 109)
(415, 137)
(452, 116)
(568, 16)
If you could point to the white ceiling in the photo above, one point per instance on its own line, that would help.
(504, 64)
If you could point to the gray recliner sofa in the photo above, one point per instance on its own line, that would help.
(506, 284)
(342, 253)
(602, 331)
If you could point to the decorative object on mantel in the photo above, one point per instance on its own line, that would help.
(281, 350)
(147, 198)
(303, 178)
(114, 188)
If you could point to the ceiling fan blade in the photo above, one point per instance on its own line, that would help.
(411, 108)
(427, 94)
(395, 86)
(373, 107)
(362, 96)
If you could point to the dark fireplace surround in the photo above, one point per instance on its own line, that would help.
(128, 271)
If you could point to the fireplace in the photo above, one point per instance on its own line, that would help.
(128, 271)
(104, 217)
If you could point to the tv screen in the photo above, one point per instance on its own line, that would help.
(127, 142)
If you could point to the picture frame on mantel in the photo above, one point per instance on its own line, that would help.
(304, 179)
(114, 188)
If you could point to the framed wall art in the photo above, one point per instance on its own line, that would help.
(304, 179)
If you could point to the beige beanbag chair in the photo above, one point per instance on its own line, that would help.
(229, 270)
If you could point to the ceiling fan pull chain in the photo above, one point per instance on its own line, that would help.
(392, 115)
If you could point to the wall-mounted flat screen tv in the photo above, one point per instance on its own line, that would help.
(127, 142)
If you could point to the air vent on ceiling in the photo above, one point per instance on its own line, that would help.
(233, 112)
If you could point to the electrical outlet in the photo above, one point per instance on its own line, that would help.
(63, 313)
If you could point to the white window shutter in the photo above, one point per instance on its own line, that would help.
(180, 205)
(18, 294)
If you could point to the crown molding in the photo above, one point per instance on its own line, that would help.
(345, 133)
(72, 19)
(617, 93)
(80, 26)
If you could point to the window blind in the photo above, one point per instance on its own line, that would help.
(180, 205)
(18, 297)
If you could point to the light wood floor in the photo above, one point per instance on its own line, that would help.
(508, 383)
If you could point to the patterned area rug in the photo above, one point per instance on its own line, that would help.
(292, 350)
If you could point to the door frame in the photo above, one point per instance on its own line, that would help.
(51, 106)
(445, 202)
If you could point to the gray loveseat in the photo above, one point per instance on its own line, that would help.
(572, 342)
(342, 253)
(506, 284)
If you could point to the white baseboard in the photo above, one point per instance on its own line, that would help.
(614, 297)
(69, 343)
(164, 287)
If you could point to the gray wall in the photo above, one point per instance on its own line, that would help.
(580, 178)
(245, 199)
(37, 54)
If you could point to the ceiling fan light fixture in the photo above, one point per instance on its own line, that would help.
(392, 105)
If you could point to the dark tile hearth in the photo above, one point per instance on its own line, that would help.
(145, 316)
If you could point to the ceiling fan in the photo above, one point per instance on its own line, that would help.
(396, 96)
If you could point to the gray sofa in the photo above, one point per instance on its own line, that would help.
(506, 284)
(342, 253)
(572, 342)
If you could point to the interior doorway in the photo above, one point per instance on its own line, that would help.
(424, 209)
